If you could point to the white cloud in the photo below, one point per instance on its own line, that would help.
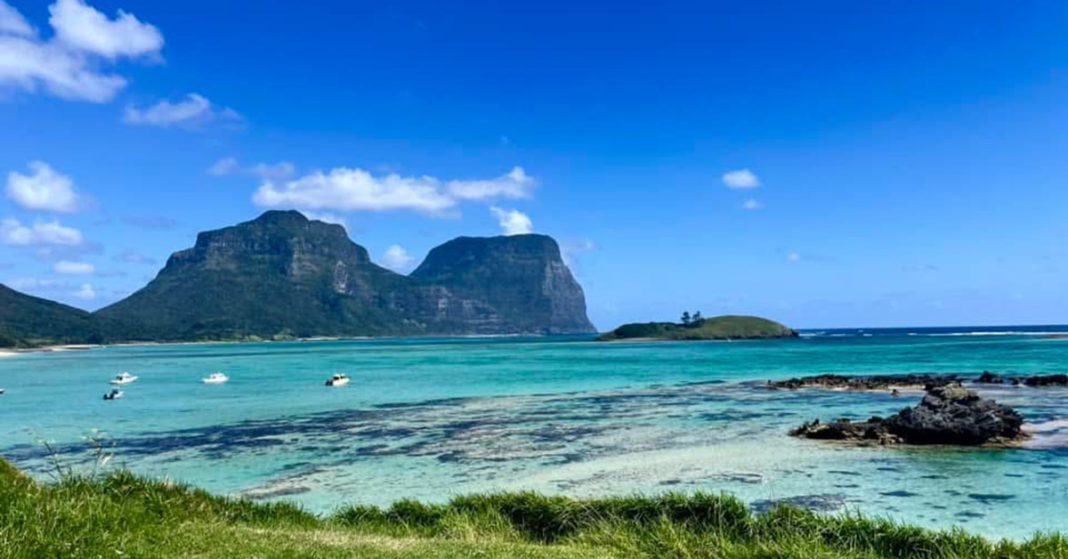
(85, 29)
(194, 111)
(25, 284)
(73, 268)
(271, 172)
(134, 257)
(396, 258)
(793, 257)
(12, 232)
(49, 287)
(69, 64)
(354, 189)
(345, 189)
(741, 179)
(752, 204)
(512, 222)
(85, 292)
(12, 22)
(45, 189)
(515, 184)
(225, 166)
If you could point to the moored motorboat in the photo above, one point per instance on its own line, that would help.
(338, 380)
(115, 394)
(215, 378)
(123, 378)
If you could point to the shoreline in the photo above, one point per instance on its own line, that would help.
(11, 352)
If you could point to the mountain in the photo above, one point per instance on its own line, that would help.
(27, 321)
(282, 275)
(727, 327)
(502, 284)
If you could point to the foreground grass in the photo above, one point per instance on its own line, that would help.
(121, 515)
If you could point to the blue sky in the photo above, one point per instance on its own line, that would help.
(821, 163)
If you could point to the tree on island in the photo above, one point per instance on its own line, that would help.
(686, 318)
(697, 317)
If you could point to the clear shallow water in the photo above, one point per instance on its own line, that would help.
(428, 419)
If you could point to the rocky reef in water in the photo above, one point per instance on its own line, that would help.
(865, 383)
(949, 414)
(1027, 380)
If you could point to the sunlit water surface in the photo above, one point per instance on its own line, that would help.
(428, 419)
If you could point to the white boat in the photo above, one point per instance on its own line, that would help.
(215, 378)
(123, 378)
(115, 394)
(2, 391)
(338, 380)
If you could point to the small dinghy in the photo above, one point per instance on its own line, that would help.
(123, 378)
(2, 391)
(338, 380)
(215, 378)
(115, 394)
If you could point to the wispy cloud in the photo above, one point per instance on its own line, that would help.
(133, 257)
(571, 252)
(45, 189)
(69, 267)
(742, 179)
(68, 65)
(12, 22)
(13, 232)
(191, 113)
(85, 292)
(514, 184)
(512, 222)
(752, 205)
(396, 258)
(271, 172)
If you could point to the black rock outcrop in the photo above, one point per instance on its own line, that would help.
(865, 382)
(947, 415)
(1027, 380)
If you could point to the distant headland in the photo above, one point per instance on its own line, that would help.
(695, 327)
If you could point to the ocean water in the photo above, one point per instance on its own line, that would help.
(433, 418)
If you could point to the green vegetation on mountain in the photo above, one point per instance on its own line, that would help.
(728, 327)
(27, 321)
(122, 515)
(283, 276)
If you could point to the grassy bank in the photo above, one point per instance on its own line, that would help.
(121, 515)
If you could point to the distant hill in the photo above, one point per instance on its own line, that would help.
(718, 328)
(282, 275)
(27, 321)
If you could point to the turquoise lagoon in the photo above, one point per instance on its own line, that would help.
(432, 418)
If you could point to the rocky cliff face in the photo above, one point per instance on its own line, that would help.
(501, 284)
(282, 274)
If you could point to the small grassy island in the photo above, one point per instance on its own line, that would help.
(727, 327)
(121, 515)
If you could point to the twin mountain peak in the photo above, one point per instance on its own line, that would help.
(283, 275)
